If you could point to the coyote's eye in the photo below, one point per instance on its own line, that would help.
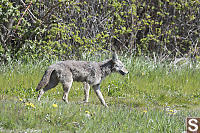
(118, 66)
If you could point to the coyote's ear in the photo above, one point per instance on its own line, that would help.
(114, 56)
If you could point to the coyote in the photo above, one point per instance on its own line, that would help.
(91, 73)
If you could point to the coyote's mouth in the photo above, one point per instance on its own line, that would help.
(122, 72)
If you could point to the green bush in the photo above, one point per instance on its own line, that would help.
(68, 29)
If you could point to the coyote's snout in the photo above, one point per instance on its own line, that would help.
(91, 73)
(119, 66)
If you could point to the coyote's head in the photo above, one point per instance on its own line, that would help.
(118, 66)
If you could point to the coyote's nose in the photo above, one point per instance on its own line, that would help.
(126, 71)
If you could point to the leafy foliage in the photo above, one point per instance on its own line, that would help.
(66, 29)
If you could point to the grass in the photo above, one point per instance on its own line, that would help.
(154, 97)
(88, 118)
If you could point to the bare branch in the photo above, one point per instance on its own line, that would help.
(23, 14)
(30, 13)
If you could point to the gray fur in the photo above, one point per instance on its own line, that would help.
(91, 73)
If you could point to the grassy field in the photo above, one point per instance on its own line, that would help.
(154, 97)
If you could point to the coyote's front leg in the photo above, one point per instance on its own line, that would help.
(86, 91)
(99, 94)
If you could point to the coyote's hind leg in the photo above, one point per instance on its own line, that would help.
(66, 88)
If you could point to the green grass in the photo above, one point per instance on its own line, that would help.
(75, 117)
(154, 97)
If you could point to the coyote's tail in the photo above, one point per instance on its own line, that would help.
(45, 79)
